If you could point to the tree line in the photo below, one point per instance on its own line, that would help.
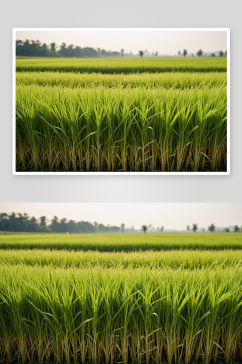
(17, 222)
(200, 53)
(34, 48)
(212, 228)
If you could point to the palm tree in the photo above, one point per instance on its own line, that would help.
(122, 52)
(236, 228)
(141, 53)
(221, 53)
(122, 227)
(211, 228)
(144, 228)
(194, 227)
(184, 52)
(199, 53)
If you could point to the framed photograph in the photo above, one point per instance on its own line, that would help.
(121, 101)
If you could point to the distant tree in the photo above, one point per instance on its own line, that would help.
(44, 50)
(19, 47)
(122, 227)
(71, 50)
(179, 53)
(194, 227)
(162, 228)
(226, 230)
(63, 50)
(225, 53)
(95, 226)
(141, 53)
(199, 53)
(221, 54)
(192, 54)
(184, 52)
(122, 52)
(212, 55)
(53, 47)
(211, 228)
(43, 220)
(156, 53)
(3, 218)
(144, 228)
(203, 230)
(63, 225)
(236, 228)
(188, 227)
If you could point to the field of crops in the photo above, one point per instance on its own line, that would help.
(184, 259)
(123, 242)
(131, 115)
(124, 299)
(125, 65)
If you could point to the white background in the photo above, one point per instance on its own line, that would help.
(112, 13)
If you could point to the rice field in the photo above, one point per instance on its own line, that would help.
(173, 259)
(150, 115)
(123, 242)
(131, 298)
(176, 80)
(120, 130)
(124, 65)
(99, 315)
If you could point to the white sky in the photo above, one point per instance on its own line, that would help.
(170, 215)
(165, 42)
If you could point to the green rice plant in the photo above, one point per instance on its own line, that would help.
(175, 80)
(123, 65)
(188, 259)
(123, 242)
(99, 315)
(62, 129)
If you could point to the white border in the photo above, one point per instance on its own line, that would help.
(121, 173)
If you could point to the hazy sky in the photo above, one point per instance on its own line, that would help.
(170, 215)
(165, 42)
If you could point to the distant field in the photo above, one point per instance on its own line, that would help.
(182, 259)
(175, 80)
(124, 242)
(124, 65)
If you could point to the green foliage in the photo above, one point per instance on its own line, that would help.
(121, 129)
(176, 80)
(184, 52)
(187, 259)
(123, 242)
(124, 65)
(98, 315)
